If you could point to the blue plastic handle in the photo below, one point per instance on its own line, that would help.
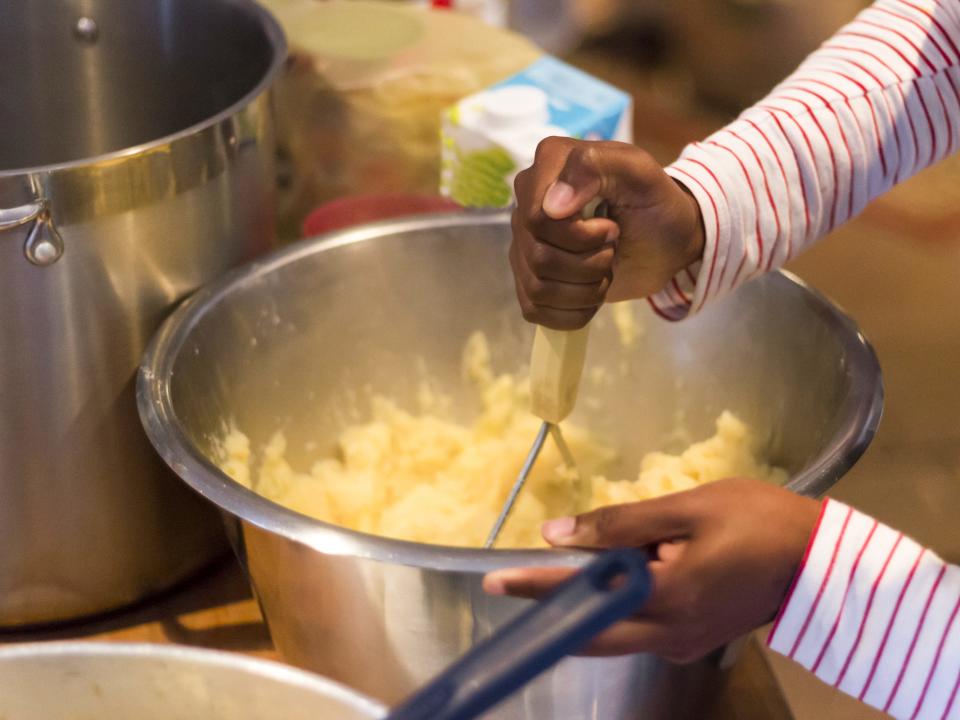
(610, 588)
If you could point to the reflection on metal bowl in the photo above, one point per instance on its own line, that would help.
(281, 342)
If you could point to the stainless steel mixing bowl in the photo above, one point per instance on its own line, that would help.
(291, 342)
(107, 681)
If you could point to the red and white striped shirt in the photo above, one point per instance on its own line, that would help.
(871, 611)
(877, 103)
(875, 614)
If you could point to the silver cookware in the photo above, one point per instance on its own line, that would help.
(120, 681)
(136, 155)
(291, 341)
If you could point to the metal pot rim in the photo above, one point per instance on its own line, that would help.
(272, 670)
(277, 40)
(863, 406)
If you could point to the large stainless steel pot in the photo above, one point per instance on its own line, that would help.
(135, 164)
(111, 681)
(286, 342)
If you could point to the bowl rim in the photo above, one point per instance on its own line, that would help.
(277, 40)
(863, 407)
(207, 657)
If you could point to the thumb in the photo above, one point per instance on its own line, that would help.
(576, 185)
(604, 169)
(628, 525)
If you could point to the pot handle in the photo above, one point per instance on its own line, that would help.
(43, 245)
(609, 589)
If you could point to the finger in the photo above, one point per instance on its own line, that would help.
(531, 259)
(670, 550)
(516, 265)
(550, 263)
(554, 260)
(558, 305)
(613, 171)
(561, 319)
(531, 184)
(573, 234)
(557, 295)
(661, 626)
(535, 583)
(530, 311)
(629, 636)
(552, 317)
(530, 583)
(628, 525)
(626, 637)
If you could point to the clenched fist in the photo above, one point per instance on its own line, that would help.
(566, 266)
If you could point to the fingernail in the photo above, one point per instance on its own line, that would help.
(557, 199)
(613, 233)
(494, 585)
(559, 530)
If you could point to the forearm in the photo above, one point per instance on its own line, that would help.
(875, 614)
(877, 103)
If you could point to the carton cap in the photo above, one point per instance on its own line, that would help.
(515, 106)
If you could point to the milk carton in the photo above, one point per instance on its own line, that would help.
(488, 137)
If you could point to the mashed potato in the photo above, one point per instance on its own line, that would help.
(423, 478)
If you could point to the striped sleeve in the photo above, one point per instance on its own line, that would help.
(875, 614)
(877, 103)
